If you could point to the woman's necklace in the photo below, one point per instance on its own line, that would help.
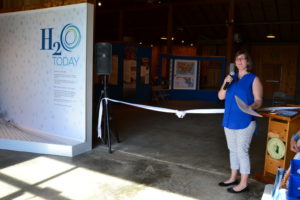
(242, 74)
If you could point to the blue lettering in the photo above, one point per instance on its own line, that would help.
(76, 60)
(65, 61)
(44, 38)
(71, 61)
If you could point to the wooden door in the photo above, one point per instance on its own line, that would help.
(271, 78)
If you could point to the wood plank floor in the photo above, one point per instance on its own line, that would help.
(11, 132)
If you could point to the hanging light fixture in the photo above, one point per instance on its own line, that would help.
(271, 36)
(165, 38)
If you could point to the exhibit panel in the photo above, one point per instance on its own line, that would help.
(46, 66)
(130, 77)
(189, 79)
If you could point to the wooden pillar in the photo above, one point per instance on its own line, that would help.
(121, 26)
(169, 42)
(297, 91)
(230, 35)
(170, 29)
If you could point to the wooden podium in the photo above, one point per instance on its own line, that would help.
(280, 131)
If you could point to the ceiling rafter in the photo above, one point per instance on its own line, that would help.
(206, 19)
(263, 10)
(246, 23)
(249, 6)
(204, 14)
(291, 18)
(276, 9)
(166, 5)
(269, 22)
(278, 18)
(209, 14)
(183, 24)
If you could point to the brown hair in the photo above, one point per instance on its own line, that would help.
(248, 58)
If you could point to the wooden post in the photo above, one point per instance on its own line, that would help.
(230, 33)
(121, 25)
(170, 29)
(169, 39)
(297, 91)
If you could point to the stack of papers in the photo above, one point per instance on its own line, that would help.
(287, 113)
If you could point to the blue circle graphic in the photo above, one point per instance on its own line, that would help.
(70, 37)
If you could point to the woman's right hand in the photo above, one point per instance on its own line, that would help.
(222, 91)
(228, 79)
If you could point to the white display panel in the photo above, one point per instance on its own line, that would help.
(43, 70)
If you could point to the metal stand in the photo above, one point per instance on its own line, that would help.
(107, 118)
(106, 128)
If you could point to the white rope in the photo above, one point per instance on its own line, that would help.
(178, 113)
(182, 113)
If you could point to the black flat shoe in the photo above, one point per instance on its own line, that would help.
(231, 190)
(222, 184)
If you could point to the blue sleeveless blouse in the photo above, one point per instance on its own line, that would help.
(233, 117)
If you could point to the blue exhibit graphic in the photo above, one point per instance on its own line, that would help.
(61, 48)
(69, 39)
(185, 74)
(43, 71)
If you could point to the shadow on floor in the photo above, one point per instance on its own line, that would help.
(159, 157)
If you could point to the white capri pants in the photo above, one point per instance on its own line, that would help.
(238, 143)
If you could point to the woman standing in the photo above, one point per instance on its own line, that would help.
(239, 126)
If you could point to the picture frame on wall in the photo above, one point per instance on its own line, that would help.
(185, 74)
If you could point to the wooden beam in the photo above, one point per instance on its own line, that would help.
(266, 23)
(45, 5)
(166, 6)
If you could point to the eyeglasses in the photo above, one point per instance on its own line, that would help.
(240, 59)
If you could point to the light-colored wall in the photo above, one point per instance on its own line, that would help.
(40, 90)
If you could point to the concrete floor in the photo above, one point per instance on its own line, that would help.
(160, 157)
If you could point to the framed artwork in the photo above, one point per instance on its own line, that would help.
(185, 74)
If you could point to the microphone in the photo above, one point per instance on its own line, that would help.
(228, 83)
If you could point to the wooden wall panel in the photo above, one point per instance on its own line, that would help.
(181, 51)
(155, 62)
(285, 56)
(210, 50)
